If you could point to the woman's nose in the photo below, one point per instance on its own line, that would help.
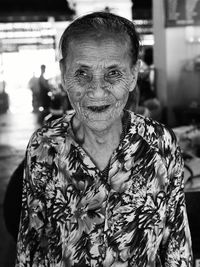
(98, 89)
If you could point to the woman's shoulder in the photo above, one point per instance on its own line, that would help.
(154, 132)
(54, 130)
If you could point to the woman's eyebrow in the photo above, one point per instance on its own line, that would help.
(108, 67)
(83, 65)
(113, 66)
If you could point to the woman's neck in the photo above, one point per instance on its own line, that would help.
(108, 137)
(84, 134)
(98, 144)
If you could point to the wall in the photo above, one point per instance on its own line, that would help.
(178, 84)
(183, 80)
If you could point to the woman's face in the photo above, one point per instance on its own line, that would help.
(98, 75)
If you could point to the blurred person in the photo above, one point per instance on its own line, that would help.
(4, 97)
(146, 82)
(102, 185)
(44, 89)
(44, 96)
(132, 103)
(148, 70)
(34, 86)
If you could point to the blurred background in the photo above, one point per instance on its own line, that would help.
(168, 88)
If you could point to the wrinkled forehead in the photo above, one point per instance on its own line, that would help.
(99, 37)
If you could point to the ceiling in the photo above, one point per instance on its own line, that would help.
(34, 10)
(40, 10)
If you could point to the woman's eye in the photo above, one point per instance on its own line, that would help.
(113, 74)
(81, 73)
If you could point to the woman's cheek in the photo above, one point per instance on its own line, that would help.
(74, 91)
(122, 90)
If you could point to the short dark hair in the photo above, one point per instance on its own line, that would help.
(101, 22)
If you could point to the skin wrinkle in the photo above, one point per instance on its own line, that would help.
(101, 65)
(98, 74)
(99, 37)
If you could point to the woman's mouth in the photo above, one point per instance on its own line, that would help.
(98, 108)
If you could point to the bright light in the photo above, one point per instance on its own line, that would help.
(19, 68)
(41, 109)
(147, 39)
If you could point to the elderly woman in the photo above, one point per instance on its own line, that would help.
(102, 185)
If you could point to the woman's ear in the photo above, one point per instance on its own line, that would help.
(134, 71)
(62, 71)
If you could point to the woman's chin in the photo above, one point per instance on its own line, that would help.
(101, 122)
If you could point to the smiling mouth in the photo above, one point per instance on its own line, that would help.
(98, 108)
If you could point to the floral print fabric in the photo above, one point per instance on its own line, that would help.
(131, 214)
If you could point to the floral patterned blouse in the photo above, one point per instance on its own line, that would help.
(131, 214)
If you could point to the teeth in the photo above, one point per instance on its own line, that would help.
(98, 108)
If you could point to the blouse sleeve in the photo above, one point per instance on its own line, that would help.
(31, 237)
(176, 245)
